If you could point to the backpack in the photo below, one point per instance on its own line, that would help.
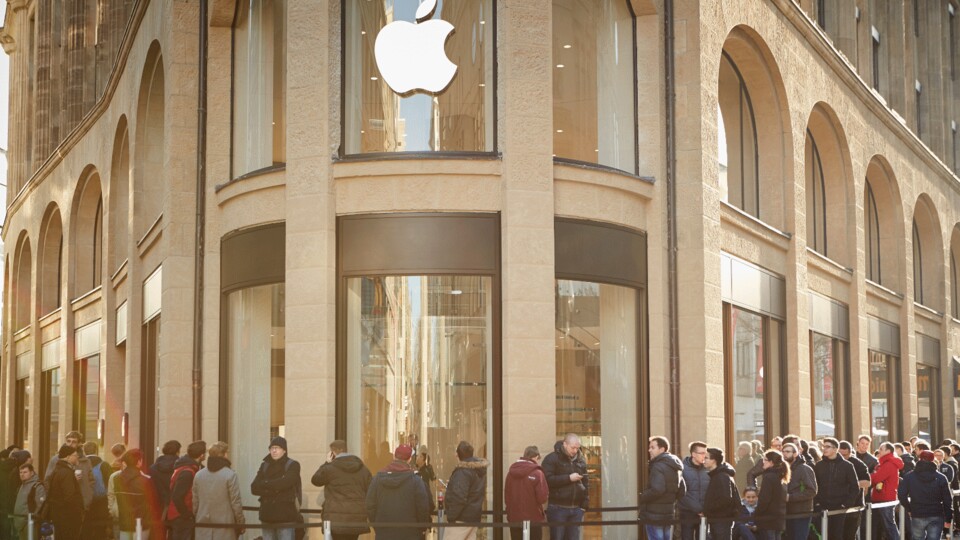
(99, 486)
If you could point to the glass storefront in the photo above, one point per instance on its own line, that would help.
(754, 348)
(50, 412)
(597, 357)
(828, 371)
(928, 383)
(737, 141)
(255, 353)
(459, 118)
(884, 401)
(86, 392)
(594, 111)
(419, 353)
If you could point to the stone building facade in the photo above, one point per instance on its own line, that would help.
(710, 220)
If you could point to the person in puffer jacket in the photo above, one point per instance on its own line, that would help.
(345, 480)
(800, 492)
(771, 511)
(697, 478)
(135, 498)
(465, 493)
(397, 495)
(658, 502)
(566, 472)
(925, 494)
(722, 502)
(884, 483)
(525, 492)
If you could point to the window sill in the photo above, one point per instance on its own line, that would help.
(393, 156)
(87, 298)
(929, 312)
(759, 222)
(600, 167)
(827, 260)
(252, 174)
(50, 318)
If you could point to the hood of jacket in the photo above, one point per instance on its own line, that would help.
(347, 463)
(475, 464)
(522, 468)
(186, 461)
(892, 458)
(215, 463)
(396, 480)
(724, 468)
(29, 482)
(925, 469)
(667, 459)
(397, 466)
(558, 448)
(166, 464)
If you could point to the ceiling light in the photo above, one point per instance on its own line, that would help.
(373, 78)
(559, 131)
(568, 46)
(456, 292)
(560, 66)
(483, 22)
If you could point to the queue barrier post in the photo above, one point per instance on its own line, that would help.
(139, 529)
(703, 527)
(526, 529)
(903, 523)
(869, 520)
(29, 526)
(824, 526)
(327, 530)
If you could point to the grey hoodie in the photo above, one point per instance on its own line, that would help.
(20, 506)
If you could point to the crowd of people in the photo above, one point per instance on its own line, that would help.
(762, 495)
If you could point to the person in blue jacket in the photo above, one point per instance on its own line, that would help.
(925, 494)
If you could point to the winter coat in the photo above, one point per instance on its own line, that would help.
(216, 499)
(946, 470)
(863, 474)
(926, 493)
(525, 492)
(558, 467)
(398, 495)
(22, 504)
(180, 508)
(136, 497)
(464, 497)
(160, 472)
(65, 500)
(802, 488)
(909, 462)
(837, 484)
(772, 507)
(755, 472)
(869, 460)
(722, 498)
(86, 477)
(659, 500)
(697, 478)
(278, 484)
(743, 467)
(955, 483)
(885, 479)
(8, 492)
(345, 481)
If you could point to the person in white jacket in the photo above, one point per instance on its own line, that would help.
(216, 496)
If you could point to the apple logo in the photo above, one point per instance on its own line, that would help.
(412, 56)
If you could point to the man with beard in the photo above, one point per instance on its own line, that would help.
(801, 491)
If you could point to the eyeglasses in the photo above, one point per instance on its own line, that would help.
(828, 447)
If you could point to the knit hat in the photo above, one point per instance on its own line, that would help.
(20, 456)
(279, 441)
(65, 451)
(403, 452)
(926, 455)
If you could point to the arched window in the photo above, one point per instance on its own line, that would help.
(917, 266)
(87, 234)
(149, 180)
(816, 198)
(594, 74)
(119, 211)
(872, 217)
(928, 278)
(737, 141)
(22, 313)
(50, 260)
(954, 307)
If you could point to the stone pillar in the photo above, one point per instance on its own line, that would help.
(528, 276)
(44, 81)
(74, 41)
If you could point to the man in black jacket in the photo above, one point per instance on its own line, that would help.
(658, 501)
(345, 480)
(278, 486)
(925, 494)
(162, 470)
(397, 495)
(465, 493)
(566, 473)
(837, 484)
(851, 525)
(180, 518)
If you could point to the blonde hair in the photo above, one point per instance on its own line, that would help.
(218, 449)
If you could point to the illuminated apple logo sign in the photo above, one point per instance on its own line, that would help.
(412, 56)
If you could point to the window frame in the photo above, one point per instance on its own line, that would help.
(817, 168)
(893, 397)
(841, 403)
(744, 92)
(872, 216)
(917, 265)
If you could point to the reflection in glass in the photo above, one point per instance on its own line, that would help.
(594, 116)
(816, 198)
(51, 406)
(419, 359)
(884, 405)
(22, 412)
(737, 142)
(928, 380)
(255, 327)
(872, 217)
(828, 369)
(597, 390)
(259, 85)
(754, 349)
(460, 118)
(87, 396)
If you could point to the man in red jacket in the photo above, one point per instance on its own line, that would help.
(525, 493)
(885, 480)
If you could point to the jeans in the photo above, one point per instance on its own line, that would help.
(742, 531)
(656, 532)
(887, 523)
(184, 532)
(562, 514)
(278, 534)
(720, 530)
(851, 526)
(798, 529)
(764, 534)
(929, 528)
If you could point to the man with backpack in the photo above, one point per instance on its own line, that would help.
(180, 519)
(29, 498)
(97, 521)
(278, 485)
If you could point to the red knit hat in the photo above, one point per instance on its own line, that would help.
(926, 455)
(403, 452)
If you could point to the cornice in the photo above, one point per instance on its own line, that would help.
(847, 73)
(100, 107)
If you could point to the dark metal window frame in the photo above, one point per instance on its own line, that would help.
(745, 97)
(894, 405)
(841, 402)
(816, 168)
(917, 265)
(872, 215)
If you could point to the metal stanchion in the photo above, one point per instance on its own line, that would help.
(139, 529)
(327, 530)
(526, 530)
(703, 528)
(869, 521)
(824, 526)
(903, 523)
(29, 526)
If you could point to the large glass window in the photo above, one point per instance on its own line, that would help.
(828, 371)
(22, 412)
(597, 389)
(259, 85)
(86, 394)
(753, 346)
(456, 118)
(928, 404)
(255, 327)
(50, 412)
(872, 217)
(419, 353)
(816, 198)
(737, 141)
(594, 112)
(150, 388)
(917, 266)
(884, 400)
